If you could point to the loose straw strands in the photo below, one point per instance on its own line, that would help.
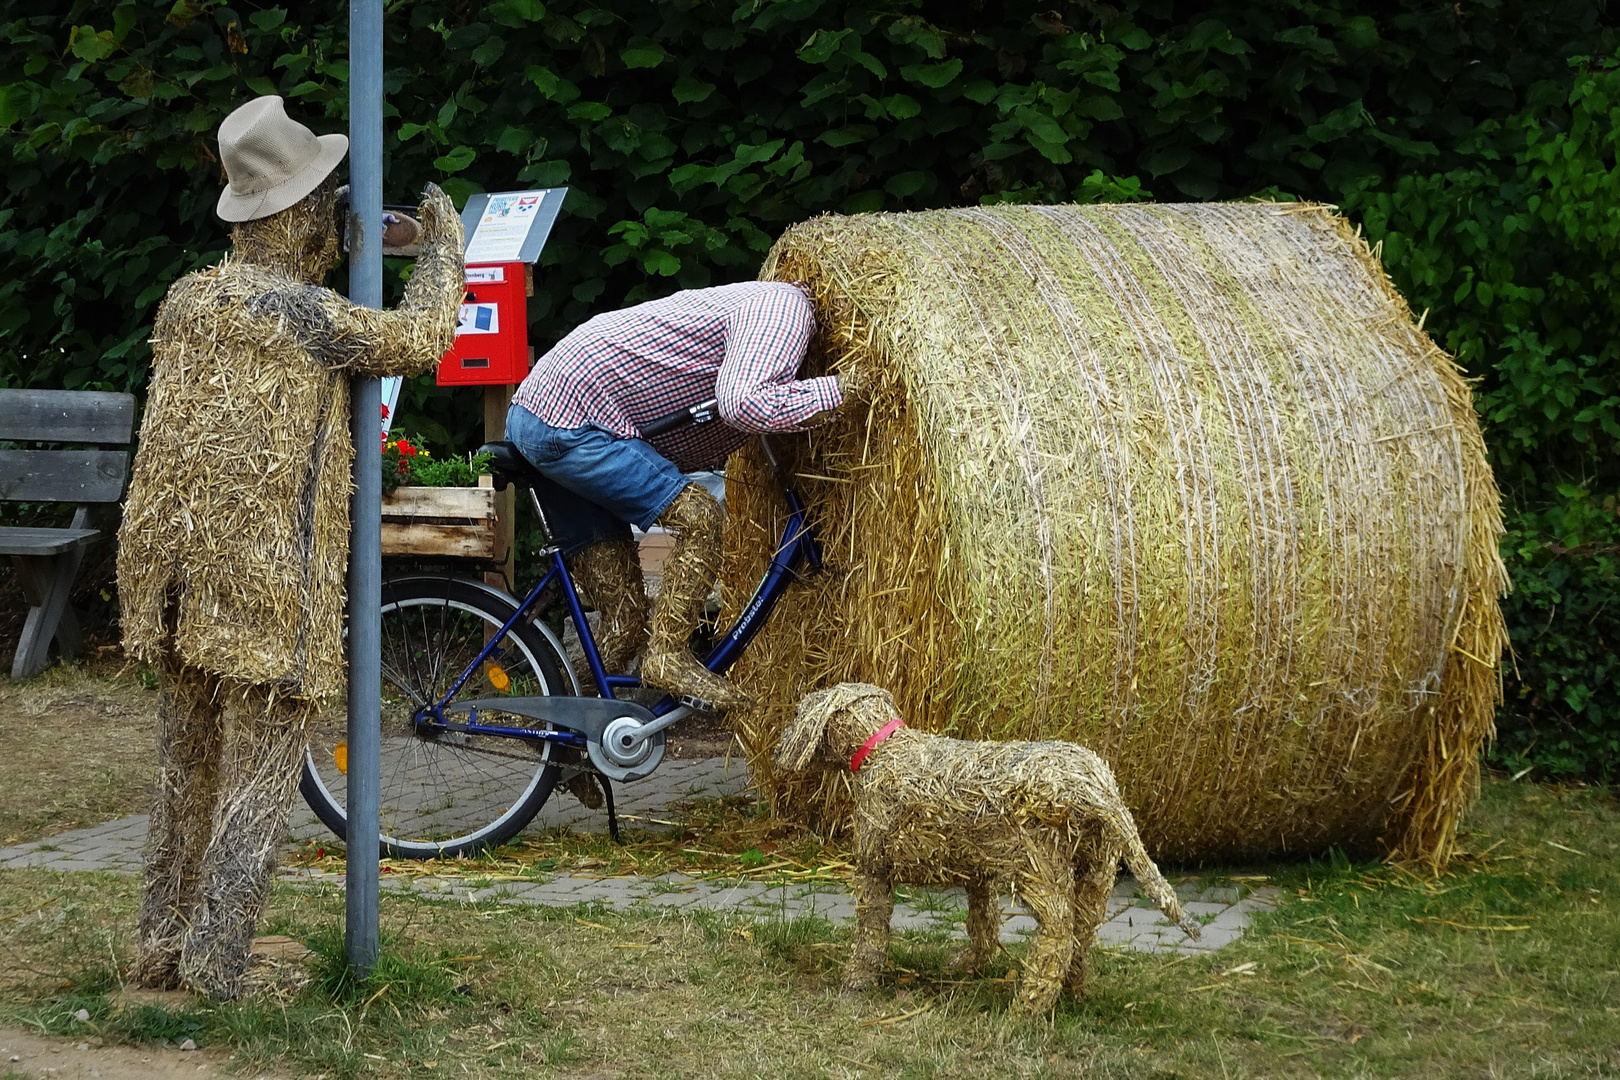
(1184, 484)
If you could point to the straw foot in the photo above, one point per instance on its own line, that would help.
(684, 677)
(582, 786)
(157, 969)
(694, 518)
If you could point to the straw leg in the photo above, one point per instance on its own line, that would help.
(1093, 883)
(1047, 889)
(874, 905)
(608, 577)
(250, 819)
(983, 925)
(694, 518)
(190, 734)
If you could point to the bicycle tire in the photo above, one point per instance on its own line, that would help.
(452, 795)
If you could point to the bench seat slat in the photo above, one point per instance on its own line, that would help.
(83, 476)
(72, 416)
(28, 540)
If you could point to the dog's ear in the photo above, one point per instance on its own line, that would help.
(803, 736)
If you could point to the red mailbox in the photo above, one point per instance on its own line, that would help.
(492, 331)
(505, 233)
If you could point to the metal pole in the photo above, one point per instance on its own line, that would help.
(365, 551)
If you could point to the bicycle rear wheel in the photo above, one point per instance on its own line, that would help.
(444, 793)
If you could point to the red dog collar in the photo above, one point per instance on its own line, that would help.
(871, 744)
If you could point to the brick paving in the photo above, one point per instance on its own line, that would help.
(1133, 922)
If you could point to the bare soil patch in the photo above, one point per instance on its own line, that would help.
(703, 737)
(77, 748)
(30, 1054)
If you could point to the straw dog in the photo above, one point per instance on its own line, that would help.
(1044, 817)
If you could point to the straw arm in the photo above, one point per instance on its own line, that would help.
(407, 340)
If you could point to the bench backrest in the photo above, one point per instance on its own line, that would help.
(65, 416)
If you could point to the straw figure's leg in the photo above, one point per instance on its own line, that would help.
(695, 519)
(190, 735)
(983, 925)
(608, 577)
(267, 743)
(1095, 868)
(874, 906)
(1046, 887)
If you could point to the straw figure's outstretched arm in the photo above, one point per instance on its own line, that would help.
(406, 340)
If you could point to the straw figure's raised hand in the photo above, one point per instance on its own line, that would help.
(441, 225)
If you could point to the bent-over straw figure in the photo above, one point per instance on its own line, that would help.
(235, 536)
(930, 810)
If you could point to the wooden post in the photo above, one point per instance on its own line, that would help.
(496, 401)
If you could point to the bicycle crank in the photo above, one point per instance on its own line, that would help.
(625, 753)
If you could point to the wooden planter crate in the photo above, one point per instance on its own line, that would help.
(450, 522)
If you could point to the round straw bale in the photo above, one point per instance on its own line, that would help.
(1184, 484)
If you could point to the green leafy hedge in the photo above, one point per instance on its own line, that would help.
(691, 133)
(1513, 251)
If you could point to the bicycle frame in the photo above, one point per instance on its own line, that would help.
(798, 545)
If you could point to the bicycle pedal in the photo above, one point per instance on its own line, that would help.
(697, 704)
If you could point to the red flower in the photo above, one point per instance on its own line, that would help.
(385, 411)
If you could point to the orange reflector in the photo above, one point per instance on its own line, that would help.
(497, 676)
(340, 755)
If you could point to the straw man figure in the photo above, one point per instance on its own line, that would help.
(235, 536)
(578, 418)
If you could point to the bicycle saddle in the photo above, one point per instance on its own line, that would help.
(509, 466)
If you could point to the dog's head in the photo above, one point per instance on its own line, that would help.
(834, 722)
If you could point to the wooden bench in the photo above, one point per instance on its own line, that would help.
(47, 559)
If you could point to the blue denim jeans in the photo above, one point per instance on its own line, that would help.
(616, 480)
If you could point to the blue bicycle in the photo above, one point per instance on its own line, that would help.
(483, 712)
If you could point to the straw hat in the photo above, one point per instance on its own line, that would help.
(272, 160)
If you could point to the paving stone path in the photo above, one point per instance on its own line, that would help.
(1133, 922)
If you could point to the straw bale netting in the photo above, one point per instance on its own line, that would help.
(1184, 484)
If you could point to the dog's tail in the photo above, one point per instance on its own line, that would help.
(1143, 869)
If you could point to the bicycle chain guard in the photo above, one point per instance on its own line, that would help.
(609, 728)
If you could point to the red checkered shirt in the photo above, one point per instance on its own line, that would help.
(741, 344)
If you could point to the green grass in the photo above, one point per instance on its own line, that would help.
(1364, 971)
(719, 839)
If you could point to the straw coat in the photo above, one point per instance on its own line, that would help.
(235, 536)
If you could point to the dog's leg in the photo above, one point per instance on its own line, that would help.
(983, 924)
(1047, 889)
(1094, 873)
(874, 904)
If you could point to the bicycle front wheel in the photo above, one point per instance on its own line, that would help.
(445, 793)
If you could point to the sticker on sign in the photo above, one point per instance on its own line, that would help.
(478, 319)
